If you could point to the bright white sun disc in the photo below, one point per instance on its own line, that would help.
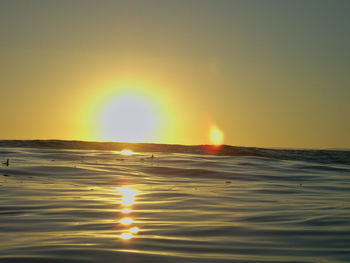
(128, 118)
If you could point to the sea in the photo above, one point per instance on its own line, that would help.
(72, 201)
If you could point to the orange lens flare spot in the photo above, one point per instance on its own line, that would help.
(216, 136)
(216, 139)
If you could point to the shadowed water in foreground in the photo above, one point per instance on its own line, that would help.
(60, 205)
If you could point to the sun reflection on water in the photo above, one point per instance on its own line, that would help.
(126, 236)
(126, 210)
(126, 221)
(128, 196)
(134, 230)
(127, 200)
(127, 152)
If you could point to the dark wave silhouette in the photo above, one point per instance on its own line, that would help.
(320, 156)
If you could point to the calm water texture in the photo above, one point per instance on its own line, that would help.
(101, 206)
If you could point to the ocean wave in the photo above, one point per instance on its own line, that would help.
(319, 156)
(75, 205)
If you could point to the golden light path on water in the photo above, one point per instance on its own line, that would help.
(126, 152)
(126, 221)
(127, 201)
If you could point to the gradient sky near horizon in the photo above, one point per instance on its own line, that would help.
(266, 73)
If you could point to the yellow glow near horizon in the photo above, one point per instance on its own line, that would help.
(164, 60)
(216, 136)
(130, 111)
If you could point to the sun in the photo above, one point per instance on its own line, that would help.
(128, 118)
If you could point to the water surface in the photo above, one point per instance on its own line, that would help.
(60, 205)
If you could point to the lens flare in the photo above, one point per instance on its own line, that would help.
(216, 135)
(216, 138)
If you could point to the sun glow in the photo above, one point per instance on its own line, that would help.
(128, 117)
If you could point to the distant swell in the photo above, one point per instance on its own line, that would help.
(319, 156)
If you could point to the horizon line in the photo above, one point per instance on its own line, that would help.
(178, 144)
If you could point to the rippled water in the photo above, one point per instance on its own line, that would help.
(102, 206)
